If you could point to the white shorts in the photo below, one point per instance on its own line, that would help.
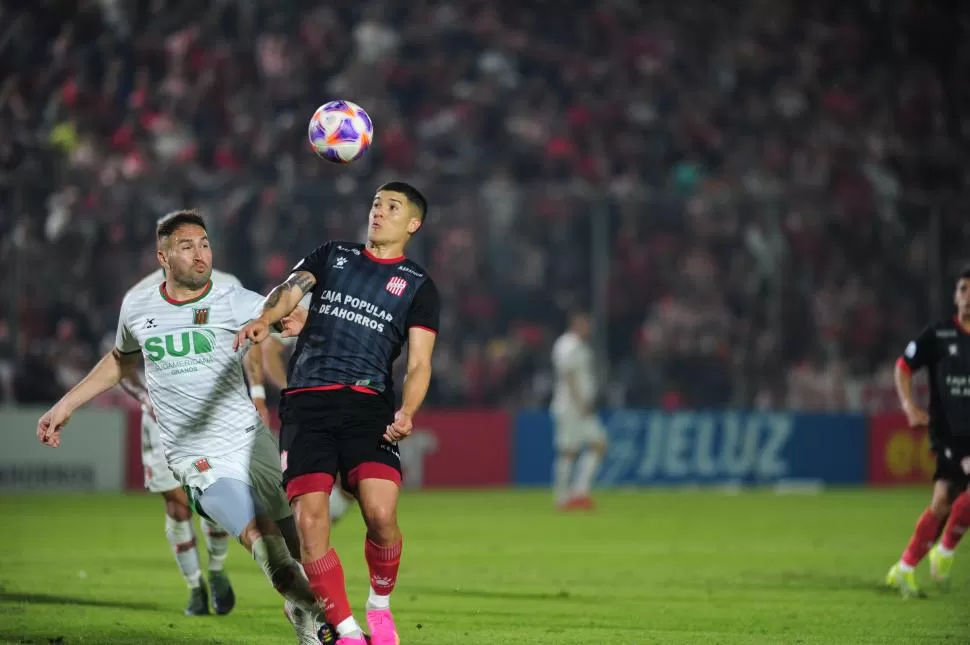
(572, 433)
(256, 464)
(158, 476)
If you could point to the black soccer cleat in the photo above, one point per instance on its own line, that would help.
(198, 601)
(223, 597)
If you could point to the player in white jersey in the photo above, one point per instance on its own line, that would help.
(274, 366)
(214, 440)
(159, 479)
(579, 436)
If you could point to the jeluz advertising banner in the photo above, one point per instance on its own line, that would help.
(652, 448)
(898, 455)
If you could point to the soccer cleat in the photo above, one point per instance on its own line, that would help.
(382, 629)
(940, 565)
(310, 629)
(198, 601)
(353, 640)
(904, 581)
(223, 597)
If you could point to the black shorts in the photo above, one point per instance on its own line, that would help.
(335, 432)
(950, 470)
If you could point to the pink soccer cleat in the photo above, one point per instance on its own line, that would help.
(382, 629)
(347, 640)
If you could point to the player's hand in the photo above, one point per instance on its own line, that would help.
(916, 416)
(401, 427)
(262, 410)
(50, 425)
(293, 324)
(255, 331)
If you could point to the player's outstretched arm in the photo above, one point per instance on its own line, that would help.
(280, 302)
(253, 365)
(105, 375)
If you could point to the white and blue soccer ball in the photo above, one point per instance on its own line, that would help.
(340, 131)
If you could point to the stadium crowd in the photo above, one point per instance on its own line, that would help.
(765, 172)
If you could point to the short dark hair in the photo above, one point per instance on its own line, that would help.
(964, 273)
(413, 194)
(169, 223)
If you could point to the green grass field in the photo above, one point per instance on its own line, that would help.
(501, 567)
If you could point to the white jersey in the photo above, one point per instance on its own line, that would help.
(195, 379)
(572, 358)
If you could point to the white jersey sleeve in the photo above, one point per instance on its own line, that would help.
(125, 341)
(572, 363)
(221, 277)
(246, 304)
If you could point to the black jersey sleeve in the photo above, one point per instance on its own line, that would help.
(316, 262)
(425, 311)
(921, 352)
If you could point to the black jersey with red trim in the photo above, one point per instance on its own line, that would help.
(361, 310)
(944, 350)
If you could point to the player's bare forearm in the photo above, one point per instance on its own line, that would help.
(418, 377)
(253, 366)
(108, 373)
(416, 384)
(284, 298)
(273, 367)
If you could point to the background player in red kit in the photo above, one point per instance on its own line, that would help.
(338, 410)
(944, 350)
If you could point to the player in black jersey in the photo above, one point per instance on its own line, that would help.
(338, 412)
(944, 350)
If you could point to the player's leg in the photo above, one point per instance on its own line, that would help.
(567, 450)
(941, 556)
(378, 489)
(310, 459)
(217, 545)
(902, 575)
(235, 505)
(181, 538)
(594, 436)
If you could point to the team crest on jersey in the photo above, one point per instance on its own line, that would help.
(202, 465)
(200, 316)
(396, 285)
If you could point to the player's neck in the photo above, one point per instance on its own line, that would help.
(385, 251)
(180, 293)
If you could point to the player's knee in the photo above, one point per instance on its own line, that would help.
(177, 510)
(381, 520)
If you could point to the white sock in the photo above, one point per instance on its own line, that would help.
(181, 538)
(377, 601)
(942, 550)
(905, 568)
(349, 627)
(338, 504)
(586, 468)
(216, 543)
(560, 478)
(284, 573)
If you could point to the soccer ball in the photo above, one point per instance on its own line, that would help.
(340, 131)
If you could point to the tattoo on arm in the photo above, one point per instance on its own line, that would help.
(301, 280)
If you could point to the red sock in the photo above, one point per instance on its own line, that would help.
(923, 538)
(383, 563)
(327, 582)
(958, 523)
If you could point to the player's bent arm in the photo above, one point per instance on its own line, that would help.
(284, 298)
(273, 367)
(135, 387)
(418, 378)
(108, 373)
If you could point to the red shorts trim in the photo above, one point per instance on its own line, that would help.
(433, 331)
(309, 483)
(371, 470)
(904, 366)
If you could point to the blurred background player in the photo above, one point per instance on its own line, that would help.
(579, 436)
(944, 350)
(275, 355)
(178, 515)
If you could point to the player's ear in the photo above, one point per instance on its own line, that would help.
(414, 224)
